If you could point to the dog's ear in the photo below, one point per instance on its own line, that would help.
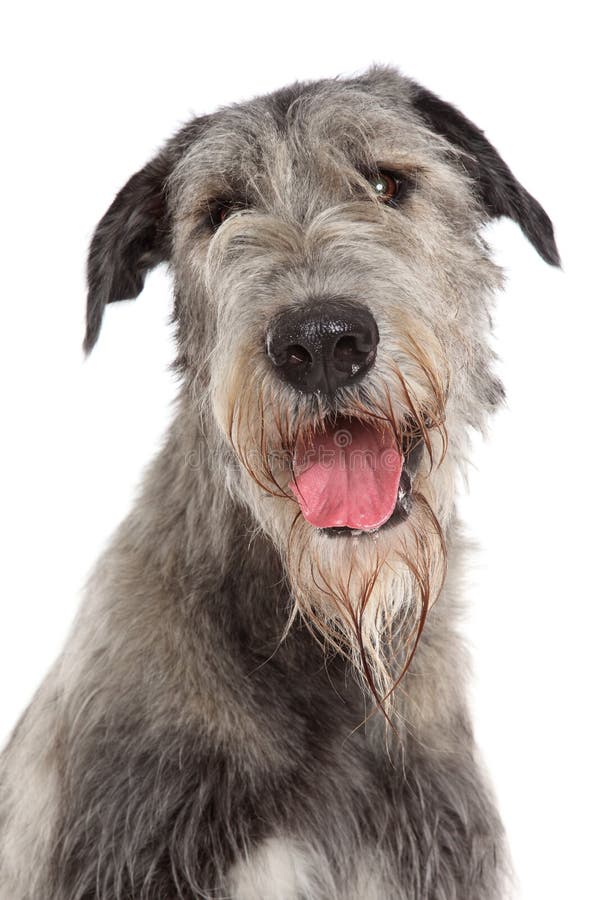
(132, 237)
(500, 192)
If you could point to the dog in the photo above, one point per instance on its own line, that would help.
(261, 698)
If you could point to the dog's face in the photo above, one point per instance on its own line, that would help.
(332, 303)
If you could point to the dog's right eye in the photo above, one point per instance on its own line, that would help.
(219, 210)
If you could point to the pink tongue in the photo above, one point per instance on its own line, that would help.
(347, 476)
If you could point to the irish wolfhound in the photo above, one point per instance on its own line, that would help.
(230, 717)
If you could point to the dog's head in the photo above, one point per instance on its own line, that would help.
(332, 306)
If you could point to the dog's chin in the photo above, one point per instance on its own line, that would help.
(401, 513)
(348, 484)
(355, 561)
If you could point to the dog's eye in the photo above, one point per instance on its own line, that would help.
(220, 210)
(387, 186)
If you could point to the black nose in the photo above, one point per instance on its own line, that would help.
(324, 345)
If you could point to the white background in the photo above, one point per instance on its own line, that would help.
(90, 90)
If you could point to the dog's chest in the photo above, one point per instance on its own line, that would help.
(286, 869)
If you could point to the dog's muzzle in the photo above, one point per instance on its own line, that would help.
(323, 346)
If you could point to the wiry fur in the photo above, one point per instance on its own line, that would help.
(211, 729)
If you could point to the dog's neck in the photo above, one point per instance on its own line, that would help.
(196, 538)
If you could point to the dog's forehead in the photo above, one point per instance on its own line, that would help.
(357, 122)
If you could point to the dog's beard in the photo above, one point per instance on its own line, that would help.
(366, 593)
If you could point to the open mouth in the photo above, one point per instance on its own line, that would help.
(354, 476)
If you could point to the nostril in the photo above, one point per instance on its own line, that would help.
(297, 355)
(288, 356)
(346, 349)
(351, 352)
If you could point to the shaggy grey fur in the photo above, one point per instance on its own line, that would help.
(188, 743)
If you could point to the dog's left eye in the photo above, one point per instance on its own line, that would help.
(386, 185)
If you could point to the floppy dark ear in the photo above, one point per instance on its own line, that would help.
(132, 237)
(497, 187)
